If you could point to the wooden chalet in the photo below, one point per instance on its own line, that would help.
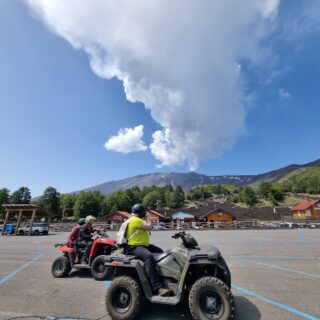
(216, 217)
(118, 217)
(156, 217)
(306, 210)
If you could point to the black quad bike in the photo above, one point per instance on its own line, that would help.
(195, 273)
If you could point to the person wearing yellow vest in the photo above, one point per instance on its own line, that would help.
(138, 244)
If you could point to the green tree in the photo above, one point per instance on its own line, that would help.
(150, 199)
(248, 196)
(179, 197)
(170, 199)
(276, 193)
(67, 202)
(4, 199)
(88, 203)
(21, 196)
(118, 200)
(50, 200)
(135, 195)
(264, 189)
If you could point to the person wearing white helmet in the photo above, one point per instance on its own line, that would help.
(85, 235)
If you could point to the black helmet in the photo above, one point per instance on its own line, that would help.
(139, 210)
(81, 221)
(189, 241)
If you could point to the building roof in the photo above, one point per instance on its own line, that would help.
(304, 205)
(259, 213)
(26, 208)
(182, 215)
(216, 211)
(123, 214)
(156, 213)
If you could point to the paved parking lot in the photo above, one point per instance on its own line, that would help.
(275, 275)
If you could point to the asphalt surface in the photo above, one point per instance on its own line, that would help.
(275, 275)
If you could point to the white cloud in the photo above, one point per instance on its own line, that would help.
(127, 140)
(177, 57)
(284, 94)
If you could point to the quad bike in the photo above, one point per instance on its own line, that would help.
(197, 274)
(101, 247)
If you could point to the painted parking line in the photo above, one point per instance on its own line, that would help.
(20, 252)
(107, 284)
(312, 275)
(301, 236)
(273, 241)
(277, 257)
(276, 303)
(9, 276)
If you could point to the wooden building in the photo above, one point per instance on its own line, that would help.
(306, 210)
(156, 217)
(217, 217)
(118, 217)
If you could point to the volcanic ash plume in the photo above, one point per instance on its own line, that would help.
(182, 59)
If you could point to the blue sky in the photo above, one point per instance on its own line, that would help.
(57, 111)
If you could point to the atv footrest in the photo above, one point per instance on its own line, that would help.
(81, 266)
(123, 259)
(165, 300)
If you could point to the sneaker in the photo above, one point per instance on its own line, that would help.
(163, 292)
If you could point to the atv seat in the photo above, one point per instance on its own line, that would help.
(160, 256)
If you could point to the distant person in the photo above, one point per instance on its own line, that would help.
(138, 244)
(85, 236)
(73, 238)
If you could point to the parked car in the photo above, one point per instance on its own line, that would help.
(37, 228)
(161, 226)
(290, 225)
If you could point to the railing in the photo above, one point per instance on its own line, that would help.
(235, 225)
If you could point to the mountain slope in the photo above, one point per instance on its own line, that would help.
(284, 173)
(193, 179)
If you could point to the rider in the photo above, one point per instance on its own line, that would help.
(73, 237)
(138, 245)
(85, 235)
(74, 234)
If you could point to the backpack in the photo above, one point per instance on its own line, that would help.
(121, 234)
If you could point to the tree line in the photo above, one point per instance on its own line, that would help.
(93, 202)
(165, 197)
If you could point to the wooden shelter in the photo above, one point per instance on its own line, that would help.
(27, 210)
(306, 210)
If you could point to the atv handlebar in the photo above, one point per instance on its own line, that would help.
(178, 235)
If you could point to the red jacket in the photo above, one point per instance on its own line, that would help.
(73, 236)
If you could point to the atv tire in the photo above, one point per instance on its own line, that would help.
(124, 298)
(60, 267)
(210, 298)
(98, 270)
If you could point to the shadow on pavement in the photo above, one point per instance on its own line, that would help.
(245, 310)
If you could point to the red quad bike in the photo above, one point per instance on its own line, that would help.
(101, 247)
